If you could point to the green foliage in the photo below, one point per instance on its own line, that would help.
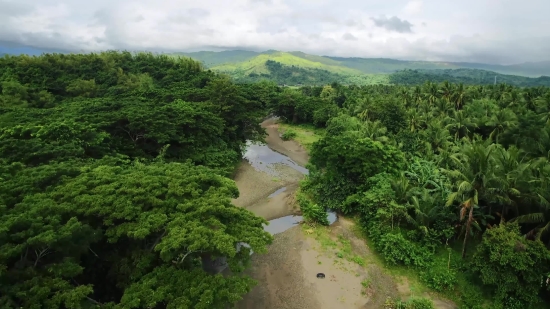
(512, 266)
(416, 303)
(289, 134)
(435, 167)
(112, 182)
(312, 212)
(465, 76)
(396, 249)
(439, 278)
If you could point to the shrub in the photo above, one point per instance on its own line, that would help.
(439, 278)
(396, 249)
(416, 303)
(289, 134)
(312, 212)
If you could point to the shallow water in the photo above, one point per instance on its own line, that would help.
(279, 191)
(280, 225)
(264, 159)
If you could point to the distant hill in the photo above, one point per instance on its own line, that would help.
(12, 48)
(298, 68)
(245, 61)
(212, 59)
(465, 76)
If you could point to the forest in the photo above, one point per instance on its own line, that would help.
(115, 181)
(450, 180)
(465, 76)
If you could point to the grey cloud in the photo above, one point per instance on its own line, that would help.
(313, 26)
(349, 37)
(393, 24)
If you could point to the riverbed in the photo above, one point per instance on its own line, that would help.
(267, 180)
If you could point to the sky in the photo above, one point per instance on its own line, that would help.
(487, 31)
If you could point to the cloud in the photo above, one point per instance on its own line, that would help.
(349, 37)
(393, 24)
(324, 27)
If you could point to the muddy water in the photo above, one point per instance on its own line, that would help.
(264, 159)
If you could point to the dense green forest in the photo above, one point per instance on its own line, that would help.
(115, 188)
(465, 76)
(450, 180)
(113, 182)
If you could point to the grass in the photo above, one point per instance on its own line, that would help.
(257, 64)
(306, 135)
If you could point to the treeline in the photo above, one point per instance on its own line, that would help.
(464, 76)
(448, 179)
(113, 188)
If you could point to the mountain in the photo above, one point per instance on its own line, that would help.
(13, 48)
(465, 76)
(248, 61)
(298, 68)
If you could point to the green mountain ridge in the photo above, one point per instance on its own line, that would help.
(248, 61)
(298, 68)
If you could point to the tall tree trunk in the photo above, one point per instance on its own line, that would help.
(468, 223)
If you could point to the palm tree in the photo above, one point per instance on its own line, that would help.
(459, 123)
(459, 96)
(446, 91)
(501, 121)
(374, 130)
(472, 178)
(431, 92)
(415, 119)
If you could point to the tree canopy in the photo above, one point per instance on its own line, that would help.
(113, 188)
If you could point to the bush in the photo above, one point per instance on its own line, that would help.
(396, 249)
(439, 278)
(312, 212)
(289, 134)
(416, 303)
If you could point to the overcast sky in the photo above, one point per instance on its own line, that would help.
(491, 31)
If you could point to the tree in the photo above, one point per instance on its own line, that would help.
(512, 266)
(117, 231)
(473, 178)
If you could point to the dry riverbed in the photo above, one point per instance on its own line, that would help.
(287, 274)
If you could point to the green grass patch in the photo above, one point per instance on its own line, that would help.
(305, 135)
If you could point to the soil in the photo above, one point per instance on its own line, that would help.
(287, 274)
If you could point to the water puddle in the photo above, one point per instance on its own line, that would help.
(279, 191)
(280, 225)
(264, 159)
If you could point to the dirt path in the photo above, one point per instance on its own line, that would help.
(287, 274)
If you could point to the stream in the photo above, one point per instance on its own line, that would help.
(264, 159)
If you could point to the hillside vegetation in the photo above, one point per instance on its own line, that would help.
(465, 76)
(364, 65)
(297, 68)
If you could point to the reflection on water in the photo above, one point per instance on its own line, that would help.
(264, 159)
(280, 225)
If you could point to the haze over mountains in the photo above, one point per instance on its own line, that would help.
(296, 68)
(249, 60)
